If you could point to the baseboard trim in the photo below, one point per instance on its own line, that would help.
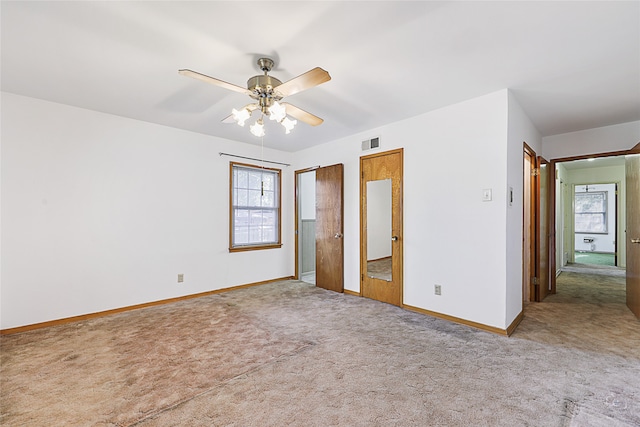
(88, 316)
(487, 328)
(512, 327)
(348, 292)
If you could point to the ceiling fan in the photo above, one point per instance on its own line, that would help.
(268, 91)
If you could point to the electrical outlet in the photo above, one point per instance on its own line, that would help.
(437, 289)
(180, 278)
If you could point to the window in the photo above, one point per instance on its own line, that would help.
(591, 212)
(254, 208)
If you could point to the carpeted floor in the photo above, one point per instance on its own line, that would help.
(289, 353)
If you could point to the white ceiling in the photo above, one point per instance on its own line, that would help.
(572, 65)
(599, 162)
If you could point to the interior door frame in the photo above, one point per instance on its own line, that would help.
(296, 232)
(530, 238)
(543, 229)
(552, 203)
(398, 232)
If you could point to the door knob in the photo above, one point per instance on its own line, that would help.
(394, 239)
(338, 235)
(635, 240)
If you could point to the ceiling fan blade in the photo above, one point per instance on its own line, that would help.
(303, 82)
(303, 116)
(230, 119)
(214, 81)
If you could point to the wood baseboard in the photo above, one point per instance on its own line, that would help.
(512, 327)
(487, 328)
(348, 292)
(129, 308)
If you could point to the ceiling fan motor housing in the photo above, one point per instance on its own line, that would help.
(262, 90)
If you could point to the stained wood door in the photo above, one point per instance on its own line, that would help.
(382, 166)
(632, 165)
(542, 229)
(329, 228)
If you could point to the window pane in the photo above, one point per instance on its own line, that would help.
(268, 179)
(241, 228)
(255, 180)
(254, 198)
(242, 178)
(255, 235)
(243, 197)
(590, 223)
(268, 200)
(590, 202)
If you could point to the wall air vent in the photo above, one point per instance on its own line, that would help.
(371, 143)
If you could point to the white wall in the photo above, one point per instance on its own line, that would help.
(101, 212)
(520, 131)
(451, 237)
(592, 141)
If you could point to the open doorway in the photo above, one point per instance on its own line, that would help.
(319, 212)
(590, 216)
(622, 286)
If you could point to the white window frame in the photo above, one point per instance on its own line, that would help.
(257, 207)
(603, 213)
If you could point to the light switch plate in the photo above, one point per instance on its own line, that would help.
(486, 195)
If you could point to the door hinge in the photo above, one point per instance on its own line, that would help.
(535, 281)
(362, 277)
(535, 171)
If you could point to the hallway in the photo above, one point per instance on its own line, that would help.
(588, 313)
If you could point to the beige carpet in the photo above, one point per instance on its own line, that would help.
(288, 353)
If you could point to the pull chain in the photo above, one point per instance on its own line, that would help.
(262, 164)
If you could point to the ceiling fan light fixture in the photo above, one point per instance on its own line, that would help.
(241, 116)
(257, 128)
(288, 124)
(277, 111)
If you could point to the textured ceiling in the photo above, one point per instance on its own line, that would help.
(572, 65)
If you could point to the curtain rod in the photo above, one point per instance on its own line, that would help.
(253, 158)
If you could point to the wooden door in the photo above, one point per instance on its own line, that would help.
(632, 165)
(381, 170)
(329, 228)
(542, 229)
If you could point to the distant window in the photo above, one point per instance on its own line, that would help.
(255, 208)
(591, 212)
